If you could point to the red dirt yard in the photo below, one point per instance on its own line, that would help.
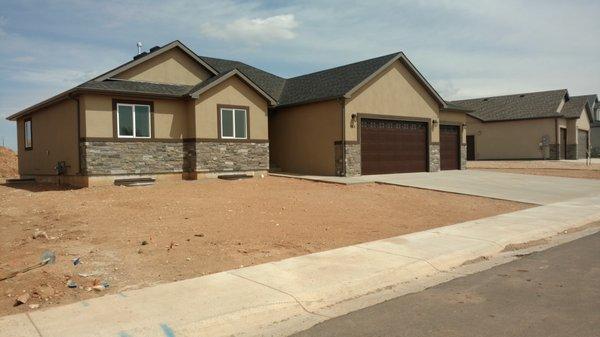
(133, 237)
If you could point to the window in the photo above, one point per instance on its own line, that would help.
(234, 123)
(133, 120)
(28, 135)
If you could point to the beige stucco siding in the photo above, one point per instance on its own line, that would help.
(173, 67)
(511, 139)
(54, 136)
(169, 120)
(231, 92)
(394, 92)
(455, 118)
(583, 122)
(302, 138)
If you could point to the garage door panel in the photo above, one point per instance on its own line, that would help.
(390, 146)
(449, 147)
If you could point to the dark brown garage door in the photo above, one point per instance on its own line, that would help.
(389, 146)
(582, 145)
(449, 147)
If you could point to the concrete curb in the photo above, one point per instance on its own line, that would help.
(283, 297)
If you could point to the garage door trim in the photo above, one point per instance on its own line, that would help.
(361, 116)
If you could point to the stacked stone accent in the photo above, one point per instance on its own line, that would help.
(434, 157)
(112, 158)
(463, 156)
(352, 162)
(155, 157)
(233, 156)
(571, 151)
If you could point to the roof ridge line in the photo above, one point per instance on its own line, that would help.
(344, 65)
(507, 95)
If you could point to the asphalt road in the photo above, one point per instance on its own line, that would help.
(551, 293)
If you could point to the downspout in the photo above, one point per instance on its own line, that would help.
(342, 102)
(76, 99)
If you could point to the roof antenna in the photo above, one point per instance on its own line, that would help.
(139, 45)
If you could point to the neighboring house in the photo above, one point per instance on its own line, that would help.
(171, 113)
(536, 125)
(594, 106)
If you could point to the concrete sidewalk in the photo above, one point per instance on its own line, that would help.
(291, 295)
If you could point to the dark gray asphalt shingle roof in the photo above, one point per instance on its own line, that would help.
(330, 83)
(271, 84)
(591, 99)
(137, 87)
(513, 107)
(574, 107)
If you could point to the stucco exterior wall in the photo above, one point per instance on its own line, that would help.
(173, 67)
(169, 119)
(394, 92)
(231, 92)
(302, 138)
(511, 139)
(54, 139)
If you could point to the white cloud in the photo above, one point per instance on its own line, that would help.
(59, 77)
(24, 59)
(253, 31)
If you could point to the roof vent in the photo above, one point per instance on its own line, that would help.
(485, 99)
(140, 55)
(522, 95)
(155, 48)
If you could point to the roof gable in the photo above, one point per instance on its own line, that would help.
(197, 90)
(344, 81)
(149, 56)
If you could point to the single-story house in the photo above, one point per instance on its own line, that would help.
(172, 113)
(535, 125)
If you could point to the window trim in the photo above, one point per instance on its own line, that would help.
(220, 109)
(30, 147)
(116, 126)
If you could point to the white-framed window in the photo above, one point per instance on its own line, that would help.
(133, 120)
(28, 134)
(234, 123)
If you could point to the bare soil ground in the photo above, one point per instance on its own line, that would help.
(8, 163)
(132, 237)
(570, 169)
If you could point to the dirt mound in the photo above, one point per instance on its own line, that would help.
(8, 163)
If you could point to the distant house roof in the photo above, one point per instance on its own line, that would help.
(543, 104)
(338, 82)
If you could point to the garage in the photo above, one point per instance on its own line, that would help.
(449, 147)
(582, 145)
(393, 146)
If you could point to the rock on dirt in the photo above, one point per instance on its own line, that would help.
(22, 299)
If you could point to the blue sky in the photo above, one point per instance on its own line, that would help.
(466, 48)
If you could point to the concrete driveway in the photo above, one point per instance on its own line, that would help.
(541, 190)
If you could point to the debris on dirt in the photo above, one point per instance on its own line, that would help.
(475, 260)
(47, 257)
(199, 235)
(44, 291)
(523, 270)
(188, 259)
(95, 273)
(98, 286)
(76, 261)
(22, 299)
(38, 234)
(172, 244)
(71, 284)
(144, 242)
(34, 306)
